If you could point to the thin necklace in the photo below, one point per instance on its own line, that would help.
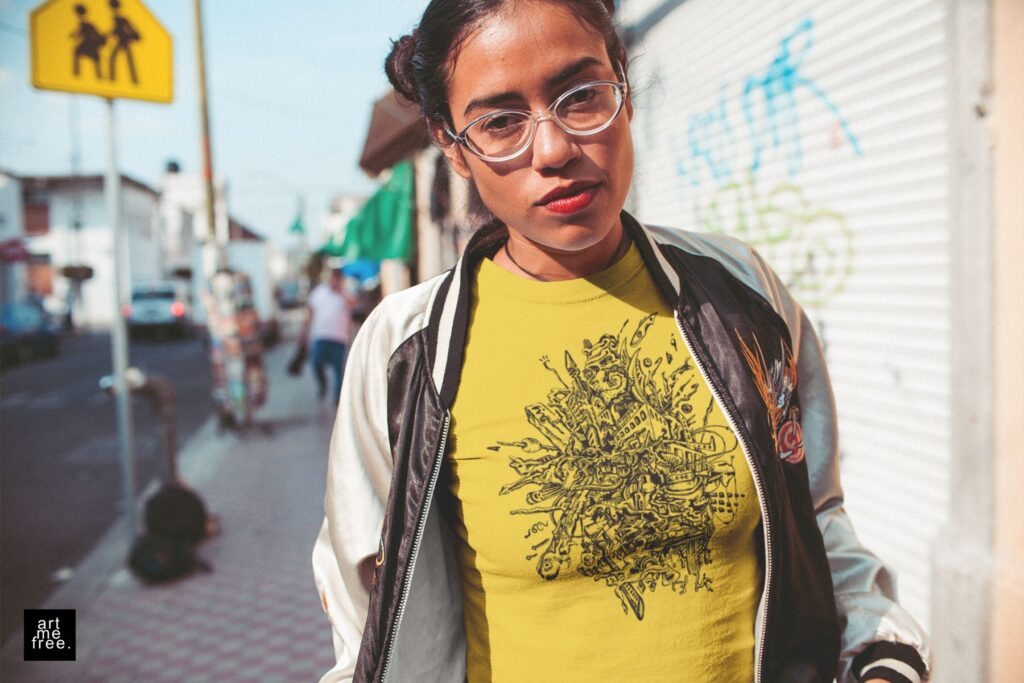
(615, 256)
(516, 264)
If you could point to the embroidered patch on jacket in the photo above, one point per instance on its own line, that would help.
(630, 476)
(776, 383)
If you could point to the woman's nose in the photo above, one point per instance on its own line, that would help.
(552, 146)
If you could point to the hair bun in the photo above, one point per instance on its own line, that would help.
(399, 68)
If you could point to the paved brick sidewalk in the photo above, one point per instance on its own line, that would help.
(257, 616)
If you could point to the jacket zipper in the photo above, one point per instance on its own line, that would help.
(421, 524)
(758, 484)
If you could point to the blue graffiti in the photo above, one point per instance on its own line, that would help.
(771, 112)
(711, 138)
(779, 116)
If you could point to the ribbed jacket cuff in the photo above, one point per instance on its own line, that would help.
(893, 662)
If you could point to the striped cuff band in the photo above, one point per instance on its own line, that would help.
(885, 668)
(893, 662)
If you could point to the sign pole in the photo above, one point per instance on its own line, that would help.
(134, 60)
(119, 335)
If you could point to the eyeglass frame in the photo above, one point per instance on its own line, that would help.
(622, 88)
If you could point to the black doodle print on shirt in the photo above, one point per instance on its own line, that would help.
(630, 474)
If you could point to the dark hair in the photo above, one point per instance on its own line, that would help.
(421, 63)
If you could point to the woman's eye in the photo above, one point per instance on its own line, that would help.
(581, 96)
(501, 124)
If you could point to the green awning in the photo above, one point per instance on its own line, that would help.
(383, 227)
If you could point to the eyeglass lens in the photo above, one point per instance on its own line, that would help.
(581, 111)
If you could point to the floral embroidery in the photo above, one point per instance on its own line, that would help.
(776, 383)
(790, 437)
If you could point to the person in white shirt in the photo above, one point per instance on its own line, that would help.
(329, 326)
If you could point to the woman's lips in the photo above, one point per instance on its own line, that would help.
(574, 202)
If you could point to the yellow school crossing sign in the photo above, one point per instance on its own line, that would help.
(110, 48)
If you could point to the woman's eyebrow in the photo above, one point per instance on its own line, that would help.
(512, 96)
(492, 101)
(572, 70)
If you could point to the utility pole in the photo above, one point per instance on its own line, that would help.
(219, 260)
(236, 355)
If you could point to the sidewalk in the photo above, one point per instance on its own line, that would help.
(257, 616)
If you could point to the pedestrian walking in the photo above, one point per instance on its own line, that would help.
(328, 326)
(594, 450)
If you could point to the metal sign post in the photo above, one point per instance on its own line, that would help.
(113, 49)
(119, 333)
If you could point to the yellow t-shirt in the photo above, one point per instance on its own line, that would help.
(608, 522)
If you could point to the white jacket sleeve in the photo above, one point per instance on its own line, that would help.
(358, 478)
(864, 586)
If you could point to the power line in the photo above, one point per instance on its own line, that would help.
(14, 30)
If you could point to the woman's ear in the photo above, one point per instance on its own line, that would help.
(458, 162)
(451, 149)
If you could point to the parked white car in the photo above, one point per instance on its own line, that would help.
(159, 307)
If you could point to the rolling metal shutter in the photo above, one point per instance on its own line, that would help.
(817, 132)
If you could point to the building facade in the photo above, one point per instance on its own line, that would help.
(65, 223)
(188, 242)
(184, 216)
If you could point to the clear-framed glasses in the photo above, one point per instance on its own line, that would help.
(586, 109)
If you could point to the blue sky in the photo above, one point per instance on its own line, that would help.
(291, 87)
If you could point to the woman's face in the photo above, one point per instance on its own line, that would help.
(524, 59)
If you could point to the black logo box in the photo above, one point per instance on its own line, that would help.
(49, 635)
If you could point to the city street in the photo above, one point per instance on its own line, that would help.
(60, 476)
(743, 324)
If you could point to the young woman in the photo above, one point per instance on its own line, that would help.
(594, 450)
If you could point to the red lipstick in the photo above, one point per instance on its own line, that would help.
(570, 199)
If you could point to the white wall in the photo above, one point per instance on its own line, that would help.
(178, 236)
(141, 215)
(253, 259)
(11, 213)
(11, 274)
(818, 132)
(187, 191)
(183, 208)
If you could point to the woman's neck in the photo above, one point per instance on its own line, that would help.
(523, 257)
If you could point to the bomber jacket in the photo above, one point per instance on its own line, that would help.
(827, 610)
